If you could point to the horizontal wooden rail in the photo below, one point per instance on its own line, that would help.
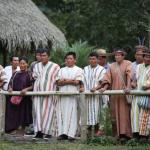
(108, 92)
(82, 103)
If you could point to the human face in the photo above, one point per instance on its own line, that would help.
(23, 65)
(139, 57)
(93, 61)
(70, 61)
(147, 60)
(101, 60)
(38, 57)
(44, 58)
(119, 57)
(15, 62)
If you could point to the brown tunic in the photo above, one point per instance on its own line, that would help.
(120, 109)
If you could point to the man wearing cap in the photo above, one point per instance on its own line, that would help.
(118, 77)
(134, 107)
(143, 83)
(102, 58)
(102, 61)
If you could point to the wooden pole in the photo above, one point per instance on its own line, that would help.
(108, 92)
(83, 106)
(83, 103)
(2, 114)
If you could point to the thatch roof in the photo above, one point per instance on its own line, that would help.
(22, 22)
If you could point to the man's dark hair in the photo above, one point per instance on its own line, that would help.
(12, 56)
(93, 54)
(71, 53)
(117, 49)
(39, 50)
(45, 50)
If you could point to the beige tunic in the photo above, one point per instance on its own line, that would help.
(120, 109)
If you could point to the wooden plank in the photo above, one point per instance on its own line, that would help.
(83, 106)
(108, 92)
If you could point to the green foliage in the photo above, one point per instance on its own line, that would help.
(105, 121)
(102, 23)
(104, 141)
(82, 50)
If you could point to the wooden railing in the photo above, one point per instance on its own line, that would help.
(82, 104)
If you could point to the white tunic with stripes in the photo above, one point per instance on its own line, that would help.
(92, 76)
(67, 105)
(45, 107)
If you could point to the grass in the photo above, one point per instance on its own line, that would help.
(4, 145)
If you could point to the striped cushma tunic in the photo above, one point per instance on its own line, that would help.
(45, 107)
(143, 79)
(92, 76)
(67, 105)
(134, 106)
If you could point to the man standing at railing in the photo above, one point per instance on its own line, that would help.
(44, 73)
(93, 73)
(68, 79)
(118, 77)
(143, 83)
(134, 107)
(9, 70)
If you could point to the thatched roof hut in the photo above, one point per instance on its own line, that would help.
(22, 23)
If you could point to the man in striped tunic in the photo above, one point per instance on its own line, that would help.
(134, 107)
(44, 73)
(93, 73)
(143, 83)
(68, 79)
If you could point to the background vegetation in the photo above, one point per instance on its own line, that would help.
(102, 23)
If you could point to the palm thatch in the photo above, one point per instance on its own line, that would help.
(22, 23)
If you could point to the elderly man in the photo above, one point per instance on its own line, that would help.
(102, 58)
(118, 77)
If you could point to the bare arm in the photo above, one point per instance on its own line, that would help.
(63, 82)
(23, 92)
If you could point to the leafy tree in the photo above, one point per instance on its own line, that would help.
(103, 23)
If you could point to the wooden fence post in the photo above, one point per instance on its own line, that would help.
(2, 114)
(83, 107)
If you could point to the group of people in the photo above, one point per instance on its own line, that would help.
(59, 115)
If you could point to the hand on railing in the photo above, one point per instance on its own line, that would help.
(10, 90)
(93, 90)
(102, 90)
(23, 92)
(127, 90)
(145, 88)
(81, 89)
